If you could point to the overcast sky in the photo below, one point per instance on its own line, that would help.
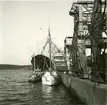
(24, 24)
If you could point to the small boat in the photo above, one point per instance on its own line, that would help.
(50, 77)
(36, 76)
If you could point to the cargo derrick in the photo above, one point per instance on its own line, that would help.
(98, 42)
(81, 11)
(89, 24)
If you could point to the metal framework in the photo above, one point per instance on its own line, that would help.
(82, 12)
(89, 24)
(96, 28)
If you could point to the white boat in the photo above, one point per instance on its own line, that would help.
(51, 76)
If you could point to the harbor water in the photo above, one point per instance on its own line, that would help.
(15, 90)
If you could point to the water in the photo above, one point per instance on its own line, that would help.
(15, 90)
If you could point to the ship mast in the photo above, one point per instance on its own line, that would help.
(49, 39)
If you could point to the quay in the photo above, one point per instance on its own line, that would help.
(89, 92)
(86, 73)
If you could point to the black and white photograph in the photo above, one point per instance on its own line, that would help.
(53, 52)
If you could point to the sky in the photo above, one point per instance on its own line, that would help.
(24, 28)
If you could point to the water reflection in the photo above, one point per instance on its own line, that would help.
(15, 90)
(46, 92)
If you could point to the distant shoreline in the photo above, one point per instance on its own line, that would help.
(14, 67)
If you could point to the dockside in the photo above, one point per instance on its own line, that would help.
(85, 53)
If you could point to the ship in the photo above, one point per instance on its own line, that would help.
(39, 63)
(50, 77)
(45, 63)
